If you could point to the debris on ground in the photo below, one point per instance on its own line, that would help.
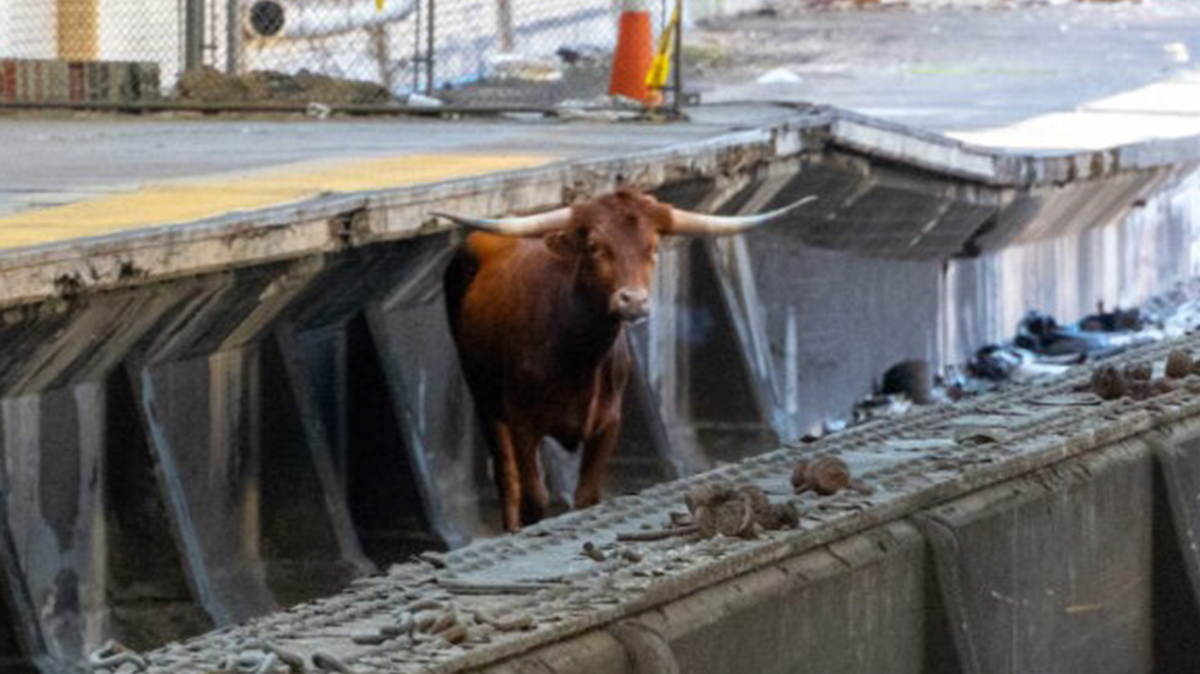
(825, 476)
(527, 67)
(209, 85)
(601, 108)
(910, 378)
(1177, 51)
(720, 508)
(1108, 383)
(1042, 335)
(779, 76)
(1041, 349)
(1179, 364)
(113, 655)
(1118, 320)
(592, 552)
(416, 100)
(1137, 381)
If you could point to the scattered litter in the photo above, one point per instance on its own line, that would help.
(455, 634)
(1177, 51)
(910, 378)
(1139, 372)
(1179, 364)
(113, 655)
(422, 101)
(974, 437)
(1083, 400)
(651, 535)
(825, 476)
(252, 662)
(517, 623)
(371, 638)
(601, 108)
(719, 508)
(458, 586)
(318, 110)
(1118, 320)
(779, 76)
(330, 663)
(514, 66)
(579, 56)
(632, 556)
(208, 84)
(1108, 383)
(1137, 381)
(437, 559)
(1042, 335)
(879, 407)
(592, 552)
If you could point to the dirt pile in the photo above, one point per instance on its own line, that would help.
(208, 85)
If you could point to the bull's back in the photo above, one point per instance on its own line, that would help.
(483, 290)
(472, 272)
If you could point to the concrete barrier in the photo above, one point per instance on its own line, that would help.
(1053, 571)
(51, 81)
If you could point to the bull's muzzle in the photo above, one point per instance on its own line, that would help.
(630, 304)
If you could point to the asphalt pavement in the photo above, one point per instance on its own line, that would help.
(945, 66)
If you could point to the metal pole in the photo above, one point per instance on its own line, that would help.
(505, 19)
(429, 49)
(416, 52)
(193, 34)
(677, 104)
(233, 37)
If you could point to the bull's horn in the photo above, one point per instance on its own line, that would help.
(530, 225)
(687, 222)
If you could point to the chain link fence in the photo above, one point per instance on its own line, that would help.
(500, 54)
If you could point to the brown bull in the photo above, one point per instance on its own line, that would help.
(538, 307)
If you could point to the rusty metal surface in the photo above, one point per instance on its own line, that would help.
(499, 597)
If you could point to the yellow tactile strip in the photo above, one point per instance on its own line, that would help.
(201, 198)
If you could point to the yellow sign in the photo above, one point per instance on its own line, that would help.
(379, 5)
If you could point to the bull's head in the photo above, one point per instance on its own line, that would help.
(614, 239)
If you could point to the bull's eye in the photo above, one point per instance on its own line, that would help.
(595, 249)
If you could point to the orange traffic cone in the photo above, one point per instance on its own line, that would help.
(635, 52)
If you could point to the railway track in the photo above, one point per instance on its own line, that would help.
(500, 597)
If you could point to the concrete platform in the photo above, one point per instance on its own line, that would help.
(52, 161)
(86, 211)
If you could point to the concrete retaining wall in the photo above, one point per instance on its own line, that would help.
(1064, 570)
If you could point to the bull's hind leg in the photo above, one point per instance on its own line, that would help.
(534, 497)
(597, 450)
(508, 480)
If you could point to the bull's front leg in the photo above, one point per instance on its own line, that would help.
(597, 450)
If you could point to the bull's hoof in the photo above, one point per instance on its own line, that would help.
(532, 513)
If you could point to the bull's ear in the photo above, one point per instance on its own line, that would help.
(565, 243)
